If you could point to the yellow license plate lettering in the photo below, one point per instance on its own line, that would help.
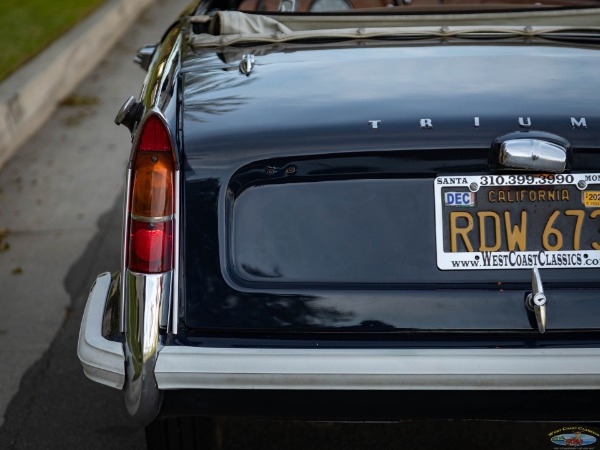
(552, 234)
(456, 231)
(593, 215)
(577, 234)
(483, 241)
(516, 236)
(507, 231)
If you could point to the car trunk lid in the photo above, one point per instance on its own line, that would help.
(310, 198)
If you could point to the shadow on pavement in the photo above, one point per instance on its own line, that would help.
(57, 407)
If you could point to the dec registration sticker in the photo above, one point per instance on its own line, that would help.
(517, 221)
(459, 198)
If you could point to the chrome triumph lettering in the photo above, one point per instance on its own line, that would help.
(581, 123)
(577, 123)
(426, 123)
(375, 124)
(525, 122)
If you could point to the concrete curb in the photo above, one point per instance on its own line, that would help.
(29, 95)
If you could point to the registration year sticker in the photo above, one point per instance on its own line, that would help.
(591, 199)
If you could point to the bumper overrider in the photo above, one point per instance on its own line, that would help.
(122, 353)
(144, 367)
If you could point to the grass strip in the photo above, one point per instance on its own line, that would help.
(28, 26)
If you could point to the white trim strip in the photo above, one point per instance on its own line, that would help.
(390, 369)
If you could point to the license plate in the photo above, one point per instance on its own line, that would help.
(517, 221)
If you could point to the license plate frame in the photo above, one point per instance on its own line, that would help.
(459, 197)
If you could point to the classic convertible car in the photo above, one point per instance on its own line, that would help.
(343, 209)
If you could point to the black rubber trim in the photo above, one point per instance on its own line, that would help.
(385, 405)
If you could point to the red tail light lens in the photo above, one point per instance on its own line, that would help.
(155, 137)
(150, 246)
(152, 199)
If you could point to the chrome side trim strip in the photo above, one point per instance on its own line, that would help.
(124, 242)
(103, 361)
(389, 369)
(174, 309)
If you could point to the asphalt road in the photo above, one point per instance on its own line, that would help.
(60, 224)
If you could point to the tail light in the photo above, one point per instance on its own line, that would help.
(151, 204)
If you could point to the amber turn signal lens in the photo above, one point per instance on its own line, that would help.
(152, 194)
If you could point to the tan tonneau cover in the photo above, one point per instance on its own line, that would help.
(234, 27)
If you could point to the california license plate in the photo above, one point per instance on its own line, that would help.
(517, 221)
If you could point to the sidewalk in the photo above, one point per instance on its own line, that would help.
(29, 95)
(60, 182)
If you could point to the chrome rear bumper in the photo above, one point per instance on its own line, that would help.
(103, 360)
(383, 369)
(175, 368)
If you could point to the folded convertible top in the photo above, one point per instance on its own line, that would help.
(234, 27)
